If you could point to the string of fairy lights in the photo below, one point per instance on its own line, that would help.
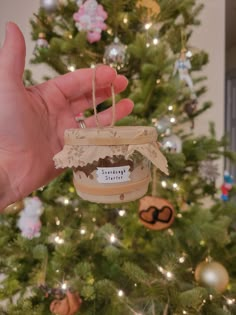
(167, 273)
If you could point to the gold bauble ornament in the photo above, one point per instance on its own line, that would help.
(212, 274)
(14, 207)
(151, 5)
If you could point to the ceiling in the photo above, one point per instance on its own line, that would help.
(230, 23)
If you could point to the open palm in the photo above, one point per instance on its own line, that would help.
(33, 120)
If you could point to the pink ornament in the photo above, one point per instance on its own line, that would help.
(90, 18)
(29, 221)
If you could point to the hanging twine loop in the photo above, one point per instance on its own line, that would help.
(94, 102)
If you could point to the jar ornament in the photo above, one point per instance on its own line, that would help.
(156, 213)
(111, 164)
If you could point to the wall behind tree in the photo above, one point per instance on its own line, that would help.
(210, 36)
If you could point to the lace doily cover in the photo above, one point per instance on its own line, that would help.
(83, 146)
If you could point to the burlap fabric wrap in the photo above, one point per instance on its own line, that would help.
(86, 146)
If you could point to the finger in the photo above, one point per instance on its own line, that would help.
(123, 108)
(79, 82)
(12, 54)
(80, 105)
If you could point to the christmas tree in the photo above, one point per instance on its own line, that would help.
(172, 251)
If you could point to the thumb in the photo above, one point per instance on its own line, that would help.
(12, 54)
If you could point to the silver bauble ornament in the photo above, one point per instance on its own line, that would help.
(163, 126)
(212, 274)
(115, 54)
(172, 144)
(49, 5)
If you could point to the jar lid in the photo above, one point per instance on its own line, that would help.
(111, 136)
(83, 146)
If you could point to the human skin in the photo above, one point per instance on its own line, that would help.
(33, 119)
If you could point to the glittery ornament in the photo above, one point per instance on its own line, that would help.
(14, 207)
(212, 274)
(172, 144)
(115, 54)
(90, 18)
(208, 170)
(29, 221)
(41, 42)
(49, 5)
(163, 126)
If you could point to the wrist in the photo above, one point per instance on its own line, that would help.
(6, 191)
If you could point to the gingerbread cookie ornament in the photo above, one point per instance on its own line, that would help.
(156, 213)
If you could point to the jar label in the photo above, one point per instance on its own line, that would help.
(110, 175)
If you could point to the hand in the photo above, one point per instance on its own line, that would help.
(33, 120)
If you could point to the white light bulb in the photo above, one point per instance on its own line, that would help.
(170, 107)
(71, 68)
(147, 26)
(155, 41)
(125, 20)
(148, 45)
(169, 275)
(184, 312)
(189, 54)
(66, 201)
(122, 213)
(120, 293)
(173, 120)
(59, 240)
(64, 286)
(112, 238)
(230, 301)
(58, 222)
(82, 231)
(175, 186)
(163, 183)
(182, 260)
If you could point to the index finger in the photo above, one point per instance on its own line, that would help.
(79, 82)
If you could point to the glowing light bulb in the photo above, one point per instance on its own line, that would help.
(230, 301)
(71, 68)
(82, 231)
(189, 54)
(158, 81)
(163, 183)
(169, 275)
(120, 293)
(58, 222)
(175, 186)
(182, 260)
(112, 238)
(155, 41)
(148, 45)
(170, 107)
(66, 201)
(64, 286)
(125, 20)
(147, 26)
(173, 120)
(122, 213)
(59, 240)
(184, 312)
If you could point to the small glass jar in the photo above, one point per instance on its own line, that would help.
(111, 165)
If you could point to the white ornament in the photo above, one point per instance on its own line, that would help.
(29, 222)
(49, 5)
(183, 65)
